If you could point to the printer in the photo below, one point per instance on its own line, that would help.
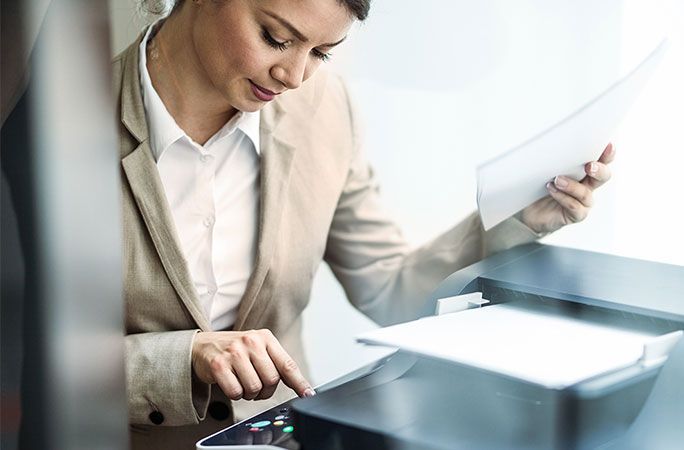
(417, 400)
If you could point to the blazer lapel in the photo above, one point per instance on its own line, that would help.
(142, 175)
(278, 143)
(148, 191)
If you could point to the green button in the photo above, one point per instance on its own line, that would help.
(288, 429)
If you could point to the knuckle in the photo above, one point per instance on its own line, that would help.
(290, 366)
(217, 365)
(579, 214)
(271, 379)
(234, 351)
(234, 392)
(571, 206)
(249, 340)
(253, 388)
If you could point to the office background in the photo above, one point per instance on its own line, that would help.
(445, 85)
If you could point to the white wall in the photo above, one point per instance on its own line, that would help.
(126, 23)
(445, 85)
(650, 205)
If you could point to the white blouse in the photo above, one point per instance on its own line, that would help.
(213, 191)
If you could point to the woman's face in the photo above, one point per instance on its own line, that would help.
(251, 50)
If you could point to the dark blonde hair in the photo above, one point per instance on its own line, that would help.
(358, 8)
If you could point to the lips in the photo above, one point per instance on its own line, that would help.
(262, 93)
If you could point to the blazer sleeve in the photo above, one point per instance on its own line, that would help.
(159, 379)
(380, 274)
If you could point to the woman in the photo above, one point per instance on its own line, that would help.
(242, 171)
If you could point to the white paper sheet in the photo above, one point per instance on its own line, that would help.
(547, 350)
(517, 178)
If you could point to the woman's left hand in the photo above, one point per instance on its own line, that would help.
(569, 200)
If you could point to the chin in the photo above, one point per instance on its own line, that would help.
(245, 103)
(250, 106)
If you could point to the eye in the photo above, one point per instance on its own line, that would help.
(271, 41)
(320, 55)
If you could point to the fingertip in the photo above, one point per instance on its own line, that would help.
(308, 392)
(608, 154)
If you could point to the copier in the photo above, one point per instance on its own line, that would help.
(415, 400)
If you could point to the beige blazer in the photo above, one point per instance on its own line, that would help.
(319, 203)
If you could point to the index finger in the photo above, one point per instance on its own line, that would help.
(288, 369)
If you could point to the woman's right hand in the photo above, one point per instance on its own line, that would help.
(246, 364)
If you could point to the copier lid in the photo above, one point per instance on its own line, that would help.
(612, 282)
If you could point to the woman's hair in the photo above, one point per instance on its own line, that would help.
(358, 8)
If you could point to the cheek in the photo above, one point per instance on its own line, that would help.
(250, 60)
(245, 56)
(232, 54)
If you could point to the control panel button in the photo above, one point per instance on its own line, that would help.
(261, 424)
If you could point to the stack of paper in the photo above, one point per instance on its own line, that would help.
(548, 350)
(518, 178)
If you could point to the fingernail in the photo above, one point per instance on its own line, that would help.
(561, 182)
(551, 187)
(593, 167)
(309, 392)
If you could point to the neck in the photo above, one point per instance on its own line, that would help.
(184, 88)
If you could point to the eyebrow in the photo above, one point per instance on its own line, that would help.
(298, 34)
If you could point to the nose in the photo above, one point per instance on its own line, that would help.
(290, 72)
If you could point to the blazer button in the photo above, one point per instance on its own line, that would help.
(156, 417)
(219, 411)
